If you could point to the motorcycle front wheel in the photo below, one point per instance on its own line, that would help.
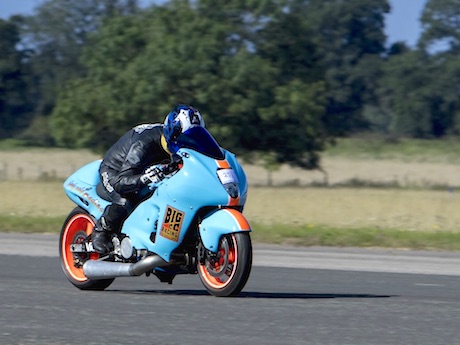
(77, 227)
(226, 272)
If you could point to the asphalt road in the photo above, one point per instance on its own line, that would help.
(294, 296)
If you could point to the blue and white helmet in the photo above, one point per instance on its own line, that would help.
(179, 120)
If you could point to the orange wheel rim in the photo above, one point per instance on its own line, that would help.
(226, 263)
(77, 228)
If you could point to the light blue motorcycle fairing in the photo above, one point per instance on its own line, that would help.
(172, 209)
(80, 187)
(170, 212)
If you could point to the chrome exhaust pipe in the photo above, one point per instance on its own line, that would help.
(96, 270)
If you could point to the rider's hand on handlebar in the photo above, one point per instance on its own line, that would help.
(152, 174)
(173, 166)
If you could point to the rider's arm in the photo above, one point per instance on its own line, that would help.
(128, 179)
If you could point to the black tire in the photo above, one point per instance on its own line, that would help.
(227, 273)
(78, 225)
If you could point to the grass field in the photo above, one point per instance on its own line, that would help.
(350, 168)
(344, 208)
(419, 211)
(304, 216)
(347, 208)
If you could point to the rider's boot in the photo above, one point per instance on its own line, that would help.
(102, 237)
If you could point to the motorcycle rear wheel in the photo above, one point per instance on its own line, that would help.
(226, 273)
(78, 225)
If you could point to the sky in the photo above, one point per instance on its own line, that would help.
(402, 24)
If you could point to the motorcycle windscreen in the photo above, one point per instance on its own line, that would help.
(199, 139)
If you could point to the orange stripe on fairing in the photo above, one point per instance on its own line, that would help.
(223, 164)
(233, 201)
(239, 218)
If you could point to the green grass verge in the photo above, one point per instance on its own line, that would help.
(284, 234)
(25, 224)
(362, 237)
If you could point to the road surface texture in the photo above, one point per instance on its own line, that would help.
(294, 296)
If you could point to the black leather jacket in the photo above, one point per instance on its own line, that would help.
(136, 150)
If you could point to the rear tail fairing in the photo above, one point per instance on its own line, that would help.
(160, 223)
(80, 187)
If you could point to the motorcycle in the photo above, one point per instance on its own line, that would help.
(190, 222)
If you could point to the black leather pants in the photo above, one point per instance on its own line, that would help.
(121, 207)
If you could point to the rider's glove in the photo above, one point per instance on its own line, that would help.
(174, 165)
(152, 174)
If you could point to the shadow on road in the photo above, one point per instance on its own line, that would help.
(287, 295)
(252, 294)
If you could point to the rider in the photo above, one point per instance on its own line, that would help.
(129, 165)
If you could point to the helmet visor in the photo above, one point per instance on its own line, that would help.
(199, 139)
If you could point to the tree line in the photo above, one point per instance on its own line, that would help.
(277, 80)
